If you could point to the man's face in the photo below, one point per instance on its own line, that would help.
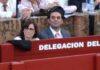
(55, 20)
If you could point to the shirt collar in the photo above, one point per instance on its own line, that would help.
(53, 31)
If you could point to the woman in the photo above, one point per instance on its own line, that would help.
(28, 31)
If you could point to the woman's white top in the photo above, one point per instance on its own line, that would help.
(19, 38)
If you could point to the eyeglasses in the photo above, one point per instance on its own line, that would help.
(32, 29)
(57, 17)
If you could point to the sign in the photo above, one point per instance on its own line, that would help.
(90, 44)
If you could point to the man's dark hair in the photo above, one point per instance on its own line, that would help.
(56, 9)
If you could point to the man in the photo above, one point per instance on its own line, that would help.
(77, 3)
(55, 19)
(7, 8)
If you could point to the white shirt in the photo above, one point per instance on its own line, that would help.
(64, 5)
(61, 2)
(19, 38)
(54, 32)
(44, 4)
(11, 8)
(28, 5)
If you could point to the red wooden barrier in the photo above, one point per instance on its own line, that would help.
(7, 52)
(75, 62)
(5, 66)
(78, 62)
(18, 66)
(52, 48)
(66, 46)
(98, 62)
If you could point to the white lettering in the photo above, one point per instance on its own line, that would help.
(93, 43)
(61, 46)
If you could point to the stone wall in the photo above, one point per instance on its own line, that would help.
(97, 24)
(9, 28)
(78, 25)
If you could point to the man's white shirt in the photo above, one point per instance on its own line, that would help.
(11, 8)
(54, 32)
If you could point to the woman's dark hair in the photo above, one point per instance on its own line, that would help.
(25, 24)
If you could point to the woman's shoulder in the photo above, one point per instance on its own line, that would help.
(36, 38)
(17, 38)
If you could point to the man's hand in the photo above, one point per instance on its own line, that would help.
(26, 13)
(50, 5)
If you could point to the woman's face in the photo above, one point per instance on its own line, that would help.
(30, 31)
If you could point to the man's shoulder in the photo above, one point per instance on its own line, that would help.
(65, 32)
(44, 34)
(45, 30)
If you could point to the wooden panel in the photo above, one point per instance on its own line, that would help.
(81, 25)
(98, 61)
(9, 28)
(4, 66)
(79, 62)
(97, 24)
(18, 66)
